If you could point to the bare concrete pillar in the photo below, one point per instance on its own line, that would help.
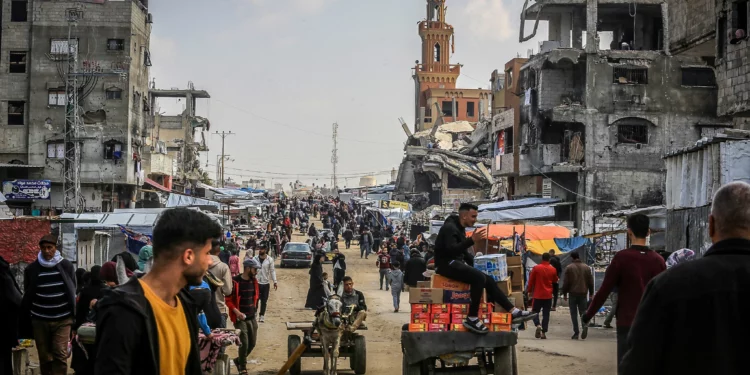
(578, 22)
(592, 37)
(554, 28)
(454, 110)
(565, 27)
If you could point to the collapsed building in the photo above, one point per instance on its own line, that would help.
(602, 102)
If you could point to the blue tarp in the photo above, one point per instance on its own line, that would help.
(568, 244)
(526, 213)
(526, 202)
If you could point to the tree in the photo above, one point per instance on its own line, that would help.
(204, 177)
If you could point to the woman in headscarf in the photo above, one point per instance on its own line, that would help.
(145, 258)
(680, 256)
(91, 292)
(109, 275)
(316, 294)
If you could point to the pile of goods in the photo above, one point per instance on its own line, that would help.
(449, 317)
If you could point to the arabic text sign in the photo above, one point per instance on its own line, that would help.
(27, 189)
(394, 204)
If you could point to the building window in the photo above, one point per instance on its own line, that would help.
(470, 109)
(114, 94)
(448, 108)
(637, 76)
(56, 150)
(16, 113)
(632, 134)
(113, 150)
(60, 47)
(57, 97)
(739, 19)
(437, 52)
(19, 11)
(17, 62)
(721, 37)
(115, 44)
(147, 58)
(508, 140)
(698, 77)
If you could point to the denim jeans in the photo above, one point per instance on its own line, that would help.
(364, 250)
(385, 274)
(613, 312)
(577, 309)
(396, 298)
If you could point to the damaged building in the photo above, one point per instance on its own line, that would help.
(111, 41)
(602, 102)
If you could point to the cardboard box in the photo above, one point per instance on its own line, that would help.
(485, 317)
(420, 318)
(440, 318)
(459, 327)
(458, 297)
(420, 308)
(505, 286)
(516, 278)
(458, 318)
(437, 327)
(445, 283)
(460, 309)
(425, 295)
(492, 265)
(499, 328)
(440, 308)
(501, 318)
(516, 298)
(424, 284)
(486, 308)
(417, 327)
(513, 261)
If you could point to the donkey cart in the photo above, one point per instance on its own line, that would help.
(429, 353)
(352, 346)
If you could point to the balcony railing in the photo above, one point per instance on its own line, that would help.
(439, 68)
(161, 164)
(424, 25)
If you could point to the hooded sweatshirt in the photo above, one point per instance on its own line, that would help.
(221, 271)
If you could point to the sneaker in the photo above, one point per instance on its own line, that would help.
(574, 337)
(475, 326)
(521, 316)
(585, 332)
(553, 309)
(609, 326)
(539, 332)
(262, 319)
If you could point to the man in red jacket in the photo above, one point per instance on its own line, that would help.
(243, 305)
(540, 289)
(630, 271)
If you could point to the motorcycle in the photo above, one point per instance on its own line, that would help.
(303, 227)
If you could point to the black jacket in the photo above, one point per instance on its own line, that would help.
(690, 317)
(415, 267)
(10, 300)
(452, 243)
(126, 332)
(555, 262)
(30, 276)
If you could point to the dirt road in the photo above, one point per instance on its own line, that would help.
(558, 354)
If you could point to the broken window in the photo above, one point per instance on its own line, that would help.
(509, 78)
(56, 150)
(508, 140)
(19, 11)
(114, 94)
(113, 150)
(625, 75)
(632, 133)
(60, 47)
(17, 62)
(57, 97)
(721, 36)
(448, 108)
(16, 113)
(470, 109)
(115, 44)
(739, 20)
(147, 58)
(698, 77)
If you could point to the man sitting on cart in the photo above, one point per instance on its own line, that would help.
(454, 261)
(354, 304)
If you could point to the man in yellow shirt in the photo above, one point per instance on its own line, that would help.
(149, 326)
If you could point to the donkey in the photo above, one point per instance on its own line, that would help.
(329, 324)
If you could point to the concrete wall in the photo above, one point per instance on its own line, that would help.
(689, 22)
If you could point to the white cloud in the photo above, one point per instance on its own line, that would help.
(488, 19)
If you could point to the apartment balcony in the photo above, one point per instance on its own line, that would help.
(504, 165)
(547, 158)
(161, 164)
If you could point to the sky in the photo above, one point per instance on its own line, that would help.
(281, 72)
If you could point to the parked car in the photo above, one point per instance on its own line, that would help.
(296, 254)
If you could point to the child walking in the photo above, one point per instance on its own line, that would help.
(397, 284)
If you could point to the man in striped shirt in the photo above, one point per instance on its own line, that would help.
(49, 306)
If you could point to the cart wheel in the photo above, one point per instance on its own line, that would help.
(293, 342)
(504, 360)
(407, 369)
(358, 359)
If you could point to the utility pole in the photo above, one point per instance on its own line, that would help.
(223, 135)
(335, 154)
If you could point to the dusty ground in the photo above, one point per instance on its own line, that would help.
(556, 355)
